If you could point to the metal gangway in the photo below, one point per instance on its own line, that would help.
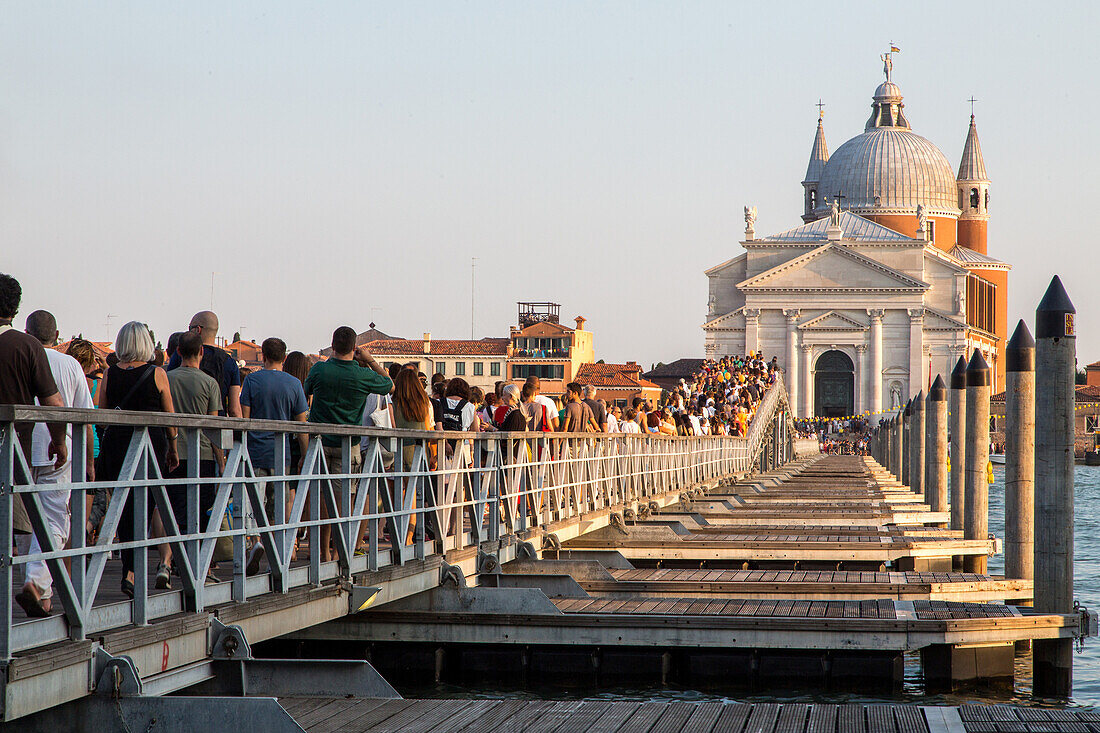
(437, 508)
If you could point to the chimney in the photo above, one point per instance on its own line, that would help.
(427, 343)
(580, 322)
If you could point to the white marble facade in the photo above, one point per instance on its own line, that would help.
(893, 305)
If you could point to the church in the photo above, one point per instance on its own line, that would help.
(885, 284)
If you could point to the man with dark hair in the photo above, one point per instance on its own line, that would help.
(339, 388)
(194, 392)
(271, 394)
(25, 376)
(68, 375)
(578, 416)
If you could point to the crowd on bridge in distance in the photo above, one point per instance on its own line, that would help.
(193, 375)
(846, 436)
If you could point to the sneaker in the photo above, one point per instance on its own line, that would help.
(254, 556)
(164, 577)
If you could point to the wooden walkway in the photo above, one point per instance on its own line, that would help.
(791, 509)
(807, 585)
(328, 715)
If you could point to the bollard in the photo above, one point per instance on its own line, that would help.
(1055, 364)
(1020, 455)
(957, 409)
(896, 449)
(917, 447)
(935, 473)
(906, 441)
(976, 517)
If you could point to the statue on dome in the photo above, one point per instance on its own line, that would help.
(922, 219)
(750, 217)
(887, 64)
(834, 212)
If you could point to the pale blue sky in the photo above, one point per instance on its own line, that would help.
(337, 162)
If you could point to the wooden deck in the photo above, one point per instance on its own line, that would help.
(328, 715)
(808, 585)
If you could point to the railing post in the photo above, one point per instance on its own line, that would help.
(7, 499)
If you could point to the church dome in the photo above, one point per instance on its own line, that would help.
(889, 169)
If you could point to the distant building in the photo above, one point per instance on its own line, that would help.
(1092, 374)
(618, 383)
(885, 284)
(542, 347)
(482, 363)
(371, 334)
(1086, 418)
(246, 354)
(667, 376)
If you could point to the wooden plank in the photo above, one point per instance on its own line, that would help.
(613, 719)
(349, 718)
(909, 719)
(518, 721)
(674, 718)
(406, 716)
(733, 718)
(851, 719)
(881, 718)
(822, 719)
(502, 710)
(429, 720)
(553, 717)
(762, 719)
(792, 718)
(644, 717)
(330, 707)
(583, 717)
(704, 717)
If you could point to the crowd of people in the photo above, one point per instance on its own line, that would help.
(848, 436)
(193, 375)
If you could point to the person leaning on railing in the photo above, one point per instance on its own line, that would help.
(136, 385)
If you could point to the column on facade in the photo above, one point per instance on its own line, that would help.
(861, 378)
(752, 329)
(916, 350)
(806, 372)
(791, 364)
(875, 376)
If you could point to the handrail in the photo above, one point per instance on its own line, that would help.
(431, 493)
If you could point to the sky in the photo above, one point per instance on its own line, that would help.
(338, 163)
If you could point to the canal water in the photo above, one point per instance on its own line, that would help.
(1086, 668)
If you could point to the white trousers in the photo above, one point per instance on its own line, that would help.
(55, 505)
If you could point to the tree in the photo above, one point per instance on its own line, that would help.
(1081, 377)
(236, 336)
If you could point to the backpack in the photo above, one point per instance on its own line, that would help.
(213, 364)
(452, 416)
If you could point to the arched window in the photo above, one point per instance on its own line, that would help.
(987, 199)
(962, 199)
(973, 198)
(813, 199)
(931, 230)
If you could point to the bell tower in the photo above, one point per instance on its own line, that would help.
(819, 156)
(973, 185)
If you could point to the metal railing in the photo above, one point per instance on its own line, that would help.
(417, 494)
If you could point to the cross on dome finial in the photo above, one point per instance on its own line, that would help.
(820, 109)
(972, 101)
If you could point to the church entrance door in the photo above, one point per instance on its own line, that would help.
(834, 385)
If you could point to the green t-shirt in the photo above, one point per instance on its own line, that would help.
(195, 393)
(339, 390)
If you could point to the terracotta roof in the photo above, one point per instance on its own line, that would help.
(439, 347)
(101, 348)
(1094, 365)
(544, 329)
(613, 376)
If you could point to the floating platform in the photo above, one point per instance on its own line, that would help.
(358, 715)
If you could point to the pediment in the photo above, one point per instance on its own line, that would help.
(739, 260)
(735, 319)
(937, 320)
(833, 268)
(832, 321)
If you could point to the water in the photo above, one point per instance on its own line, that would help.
(1086, 668)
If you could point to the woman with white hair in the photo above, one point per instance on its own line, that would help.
(137, 385)
(508, 417)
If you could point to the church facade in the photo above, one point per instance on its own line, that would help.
(885, 284)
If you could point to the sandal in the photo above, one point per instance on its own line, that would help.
(31, 605)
